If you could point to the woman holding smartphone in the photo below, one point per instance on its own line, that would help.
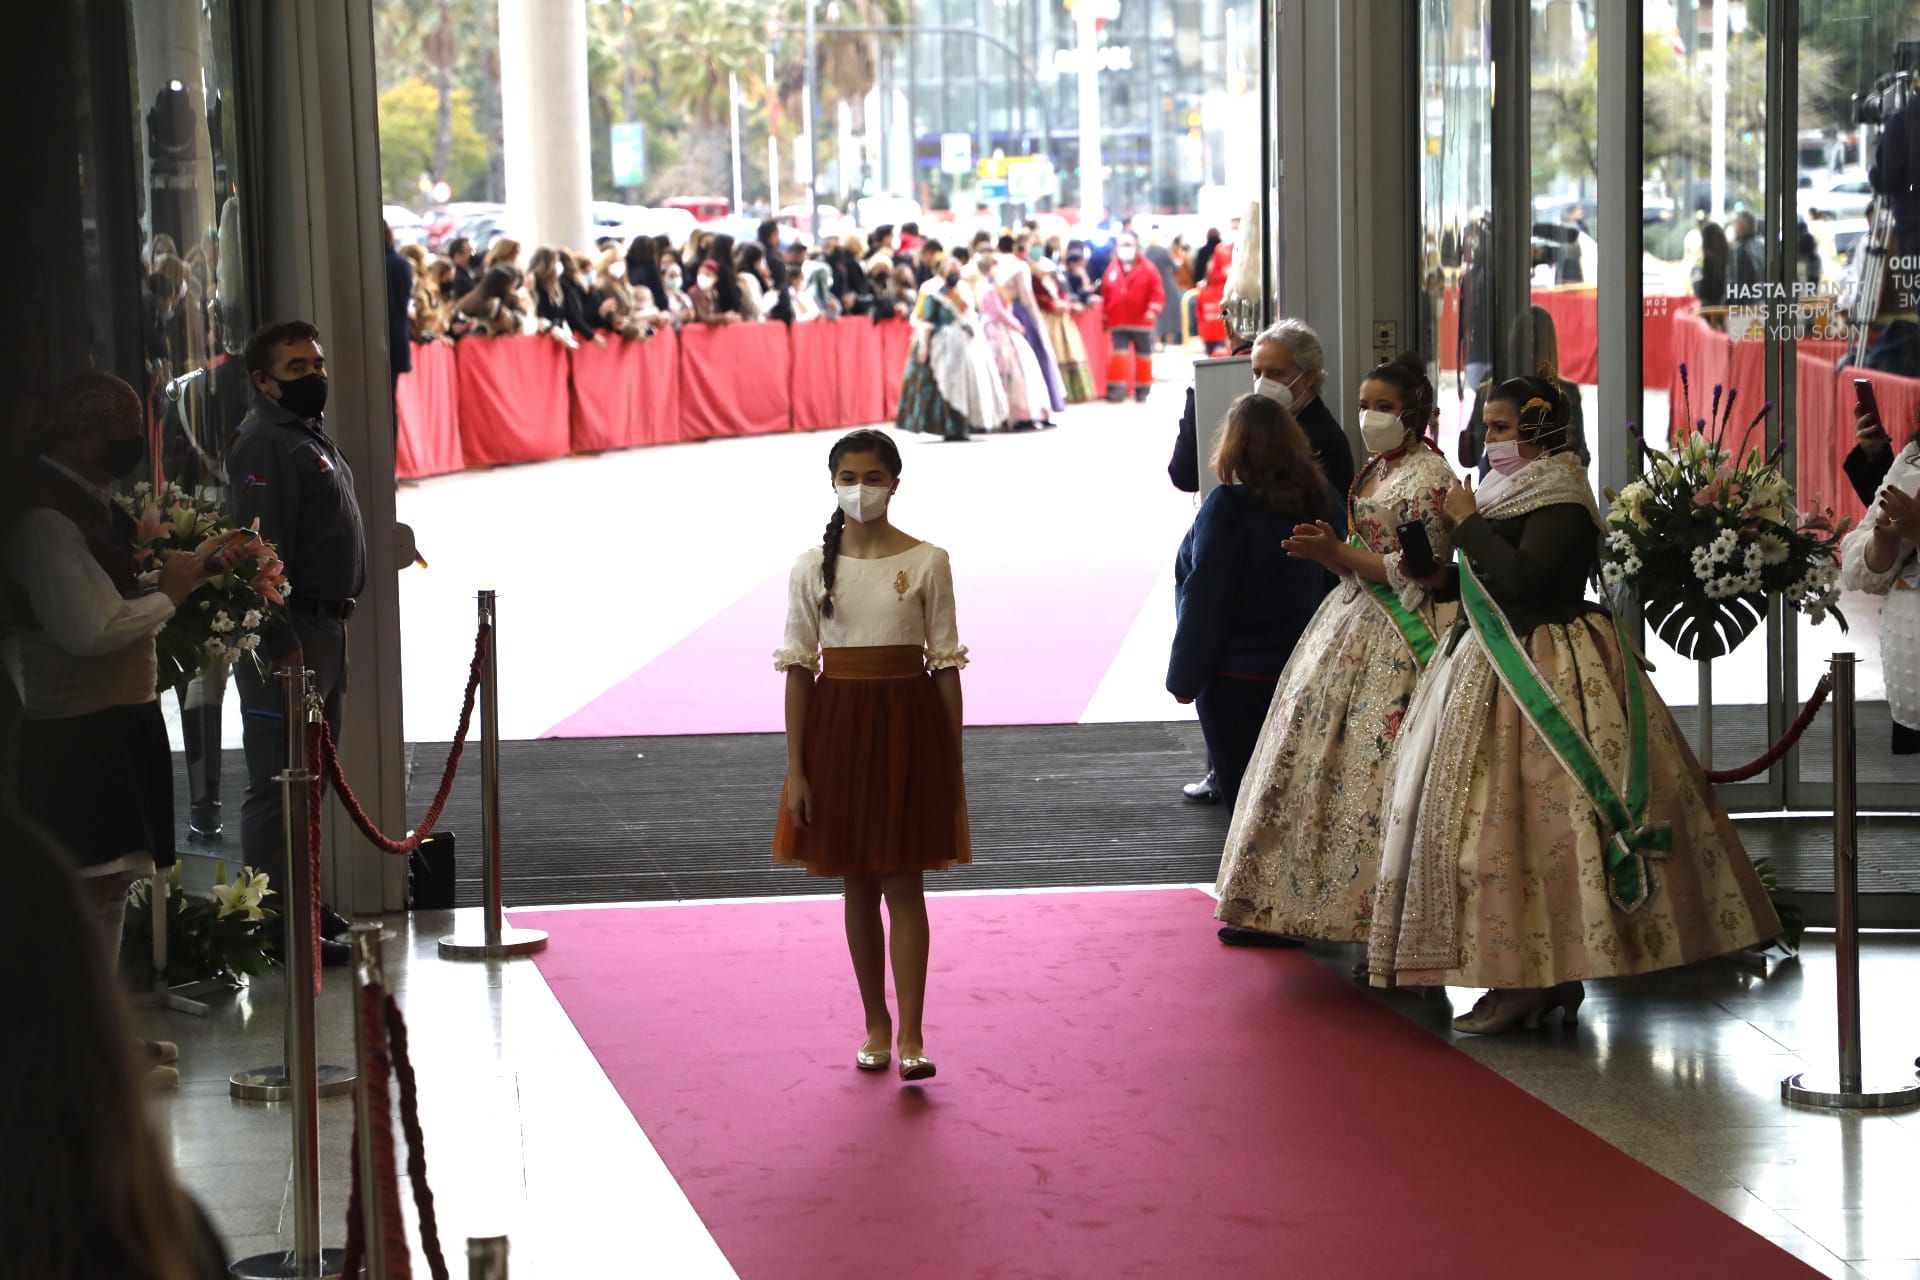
(1305, 838)
(874, 793)
(1547, 823)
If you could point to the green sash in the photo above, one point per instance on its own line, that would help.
(1632, 840)
(1411, 626)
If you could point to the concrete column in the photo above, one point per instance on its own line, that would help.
(543, 108)
(310, 75)
(1348, 226)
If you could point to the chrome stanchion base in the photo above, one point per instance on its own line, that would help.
(282, 1266)
(1823, 1090)
(269, 1084)
(473, 945)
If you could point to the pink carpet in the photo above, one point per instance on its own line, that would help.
(1040, 647)
(1118, 1097)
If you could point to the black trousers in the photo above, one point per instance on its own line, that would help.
(1232, 711)
(323, 645)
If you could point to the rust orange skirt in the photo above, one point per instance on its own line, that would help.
(881, 757)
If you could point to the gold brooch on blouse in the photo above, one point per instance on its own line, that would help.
(900, 585)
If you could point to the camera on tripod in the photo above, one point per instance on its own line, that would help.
(1891, 92)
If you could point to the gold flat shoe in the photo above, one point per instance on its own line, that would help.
(917, 1069)
(872, 1059)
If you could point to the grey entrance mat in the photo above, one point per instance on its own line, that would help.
(637, 819)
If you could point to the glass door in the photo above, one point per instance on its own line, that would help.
(1459, 309)
(1858, 68)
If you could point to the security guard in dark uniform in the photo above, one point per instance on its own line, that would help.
(287, 473)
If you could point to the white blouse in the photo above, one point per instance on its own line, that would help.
(1900, 622)
(904, 599)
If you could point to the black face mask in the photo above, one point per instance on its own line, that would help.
(304, 397)
(123, 456)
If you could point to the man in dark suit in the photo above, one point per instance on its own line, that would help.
(399, 331)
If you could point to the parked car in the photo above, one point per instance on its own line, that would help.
(703, 208)
(408, 226)
(1845, 196)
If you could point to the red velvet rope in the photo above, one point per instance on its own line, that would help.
(416, 1141)
(359, 815)
(1772, 754)
(376, 1072)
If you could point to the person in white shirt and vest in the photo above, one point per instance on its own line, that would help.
(95, 768)
(287, 473)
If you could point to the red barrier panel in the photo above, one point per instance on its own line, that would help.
(836, 374)
(1823, 403)
(1099, 343)
(427, 402)
(1576, 324)
(896, 343)
(860, 364)
(734, 380)
(513, 400)
(626, 393)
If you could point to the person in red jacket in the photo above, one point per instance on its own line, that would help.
(1213, 329)
(1134, 296)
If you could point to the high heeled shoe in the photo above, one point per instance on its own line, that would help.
(1567, 998)
(1501, 1010)
(912, 1069)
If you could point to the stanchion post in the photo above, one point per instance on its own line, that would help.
(1847, 1090)
(368, 972)
(486, 1258)
(496, 940)
(297, 1079)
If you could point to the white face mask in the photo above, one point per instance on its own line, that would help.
(1279, 392)
(863, 502)
(1125, 252)
(1381, 432)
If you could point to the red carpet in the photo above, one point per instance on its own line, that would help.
(1118, 1096)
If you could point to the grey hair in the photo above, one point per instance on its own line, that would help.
(1298, 337)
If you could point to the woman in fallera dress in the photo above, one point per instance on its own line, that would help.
(1546, 822)
(1305, 837)
(873, 791)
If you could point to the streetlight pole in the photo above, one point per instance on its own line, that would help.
(813, 138)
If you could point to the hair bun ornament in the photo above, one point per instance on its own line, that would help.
(1536, 402)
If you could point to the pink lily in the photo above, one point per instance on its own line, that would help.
(152, 528)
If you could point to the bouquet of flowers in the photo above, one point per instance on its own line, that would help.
(208, 939)
(1709, 531)
(222, 619)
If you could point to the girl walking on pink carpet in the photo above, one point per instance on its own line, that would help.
(874, 792)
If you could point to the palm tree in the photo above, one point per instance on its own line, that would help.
(697, 46)
(431, 40)
(849, 61)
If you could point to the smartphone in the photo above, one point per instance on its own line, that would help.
(1864, 401)
(224, 556)
(1416, 550)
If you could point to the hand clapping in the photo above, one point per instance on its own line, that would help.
(1459, 502)
(1316, 542)
(1899, 514)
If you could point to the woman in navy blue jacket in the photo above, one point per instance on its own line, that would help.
(1242, 600)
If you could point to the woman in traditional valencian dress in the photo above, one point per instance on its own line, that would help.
(1056, 315)
(1026, 387)
(874, 792)
(1305, 838)
(924, 404)
(1547, 822)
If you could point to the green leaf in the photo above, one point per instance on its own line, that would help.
(1698, 628)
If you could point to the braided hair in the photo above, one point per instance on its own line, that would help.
(854, 442)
